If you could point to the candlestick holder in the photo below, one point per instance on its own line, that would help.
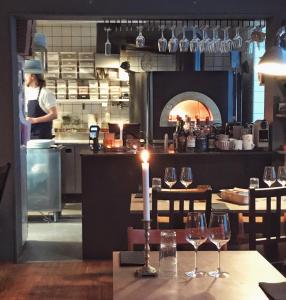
(147, 269)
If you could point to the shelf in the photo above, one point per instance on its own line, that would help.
(88, 101)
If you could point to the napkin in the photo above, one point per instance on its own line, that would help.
(275, 291)
(132, 258)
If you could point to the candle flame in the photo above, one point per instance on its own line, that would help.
(120, 125)
(145, 156)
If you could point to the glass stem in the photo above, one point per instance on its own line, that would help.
(218, 260)
(196, 268)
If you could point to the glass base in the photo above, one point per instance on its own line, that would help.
(196, 274)
(218, 274)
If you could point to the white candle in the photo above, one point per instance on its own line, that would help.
(145, 184)
(121, 131)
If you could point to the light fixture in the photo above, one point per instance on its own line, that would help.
(273, 62)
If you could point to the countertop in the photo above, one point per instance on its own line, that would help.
(88, 152)
(72, 141)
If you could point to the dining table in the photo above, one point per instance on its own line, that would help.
(136, 204)
(246, 269)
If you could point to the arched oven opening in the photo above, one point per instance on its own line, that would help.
(195, 105)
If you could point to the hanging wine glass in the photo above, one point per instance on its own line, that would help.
(226, 43)
(162, 42)
(184, 42)
(107, 45)
(194, 42)
(140, 40)
(205, 42)
(214, 46)
(248, 43)
(173, 42)
(237, 40)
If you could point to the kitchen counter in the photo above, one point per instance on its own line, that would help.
(71, 141)
(108, 180)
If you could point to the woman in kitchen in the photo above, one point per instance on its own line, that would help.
(40, 102)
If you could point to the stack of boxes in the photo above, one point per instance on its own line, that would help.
(72, 75)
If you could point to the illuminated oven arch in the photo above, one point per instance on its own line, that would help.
(203, 103)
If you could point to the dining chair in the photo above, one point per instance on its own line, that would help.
(270, 219)
(137, 237)
(4, 171)
(175, 218)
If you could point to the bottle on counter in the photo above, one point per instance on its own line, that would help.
(175, 134)
(166, 142)
(191, 142)
(181, 137)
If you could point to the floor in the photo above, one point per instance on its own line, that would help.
(54, 241)
(77, 280)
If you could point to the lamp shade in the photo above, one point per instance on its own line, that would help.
(273, 62)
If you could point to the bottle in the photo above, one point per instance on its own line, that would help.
(175, 134)
(191, 142)
(166, 141)
(181, 137)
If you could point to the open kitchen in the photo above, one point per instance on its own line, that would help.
(110, 112)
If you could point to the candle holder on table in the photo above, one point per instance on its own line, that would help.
(147, 269)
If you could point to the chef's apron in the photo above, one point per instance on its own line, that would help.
(40, 130)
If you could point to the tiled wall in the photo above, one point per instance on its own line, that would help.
(80, 37)
(141, 61)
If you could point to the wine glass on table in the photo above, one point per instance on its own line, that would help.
(170, 177)
(269, 175)
(196, 235)
(219, 234)
(186, 176)
(281, 175)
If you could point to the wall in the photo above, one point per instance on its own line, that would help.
(9, 145)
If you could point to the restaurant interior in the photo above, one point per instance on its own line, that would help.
(170, 138)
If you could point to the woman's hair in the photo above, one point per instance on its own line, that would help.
(40, 80)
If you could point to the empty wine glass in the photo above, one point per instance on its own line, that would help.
(248, 43)
(204, 43)
(170, 176)
(237, 40)
(173, 42)
(140, 40)
(196, 235)
(186, 176)
(195, 41)
(162, 42)
(107, 45)
(184, 42)
(269, 175)
(281, 175)
(214, 44)
(219, 234)
(226, 43)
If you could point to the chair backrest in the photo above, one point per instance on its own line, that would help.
(4, 171)
(271, 218)
(176, 218)
(137, 237)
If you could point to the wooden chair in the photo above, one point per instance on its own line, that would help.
(4, 171)
(137, 237)
(175, 219)
(271, 220)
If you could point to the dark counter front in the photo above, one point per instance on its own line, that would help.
(108, 179)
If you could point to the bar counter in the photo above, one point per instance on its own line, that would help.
(109, 179)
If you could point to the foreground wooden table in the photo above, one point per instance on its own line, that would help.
(246, 268)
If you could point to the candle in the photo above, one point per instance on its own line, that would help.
(121, 131)
(145, 184)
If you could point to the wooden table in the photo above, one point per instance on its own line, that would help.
(246, 268)
(136, 205)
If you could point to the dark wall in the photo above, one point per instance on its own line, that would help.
(86, 9)
(167, 85)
